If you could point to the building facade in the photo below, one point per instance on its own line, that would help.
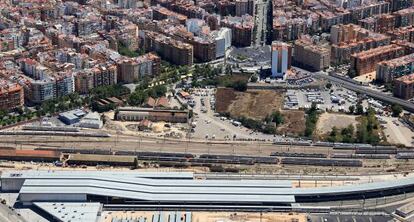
(389, 70)
(281, 59)
(404, 86)
(366, 61)
(311, 56)
(11, 95)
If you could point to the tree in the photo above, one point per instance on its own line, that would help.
(157, 91)
(269, 129)
(396, 110)
(254, 78)
(277, 118)
(359, 109)
(348, 134)
(137, 98)
(229, 70)
(351, 109)
(328, 85)
(240, 85)
(3, 114)
(311, 119)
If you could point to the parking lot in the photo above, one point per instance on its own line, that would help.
(396, 131)
(336, 99)
(210, 126)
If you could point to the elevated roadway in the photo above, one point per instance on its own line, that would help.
(347, 83)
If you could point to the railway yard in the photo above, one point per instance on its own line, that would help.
(323, 166)
(236, 157)
(304, 164)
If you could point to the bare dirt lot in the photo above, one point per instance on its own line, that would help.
(255, 104)
(224, 97)
(293, 122)
(328, 120)
(246, 217)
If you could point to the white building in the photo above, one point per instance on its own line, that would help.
(91, 120)
(281, 59)
(223, 41)
(195, 25)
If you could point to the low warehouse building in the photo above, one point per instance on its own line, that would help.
(93, 160)
(139, 113)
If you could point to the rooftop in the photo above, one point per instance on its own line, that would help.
(407, 79)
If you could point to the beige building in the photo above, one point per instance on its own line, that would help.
(311, 56)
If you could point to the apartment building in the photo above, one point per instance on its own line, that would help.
(177, 52)
(404, 86)
(242, 29)
(365, 62)
(133, 69)
(387, 71)
(311, 56)
(402, 33)
(350, 39)
(11, 95)
(281, 58)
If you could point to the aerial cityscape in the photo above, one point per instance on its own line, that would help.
(207, 110)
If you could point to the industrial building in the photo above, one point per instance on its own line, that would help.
(71, 117)
(281, 58)
(139, 113)
(91, 120)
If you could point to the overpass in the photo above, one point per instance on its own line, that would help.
(349, 84)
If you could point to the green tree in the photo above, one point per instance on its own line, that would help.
(254, 78)
(277, 117)
(328, 85)
(359, 109)
(240, 85)
(157, 91)
(311, 119)
(351, 109)
(396, 110)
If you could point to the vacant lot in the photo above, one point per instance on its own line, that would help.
(246, 217)
(256, 104)
(224, 97)
(293, 122)
(328, 120)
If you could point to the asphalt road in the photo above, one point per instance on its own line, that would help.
(364, 90)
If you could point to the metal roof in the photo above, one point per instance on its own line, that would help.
(137, 195)
(215, 187)
(201, 188)
(127, 185)
(71, 212)
(138, 179)
(37, 174)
